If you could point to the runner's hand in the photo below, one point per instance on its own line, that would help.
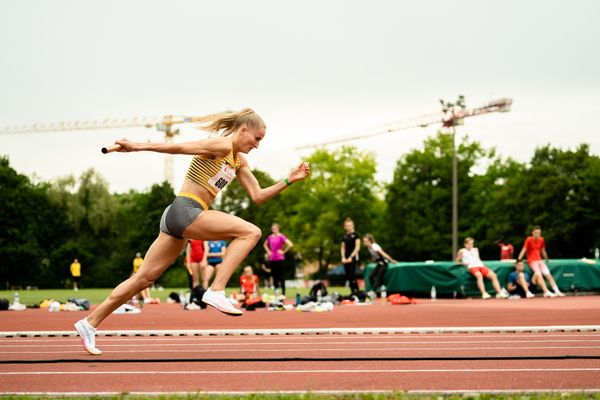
(302, 171)
(126, 145)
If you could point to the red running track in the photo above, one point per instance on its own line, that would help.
(183, 364)
(581, 310)
(420, 362)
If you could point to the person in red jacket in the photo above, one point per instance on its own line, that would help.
(535, 247)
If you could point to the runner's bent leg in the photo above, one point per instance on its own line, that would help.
(215, 225)
(159, 257)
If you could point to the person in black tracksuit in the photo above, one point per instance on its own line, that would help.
(349, 250)
(376, 279)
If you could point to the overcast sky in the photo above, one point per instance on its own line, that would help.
(311, 69)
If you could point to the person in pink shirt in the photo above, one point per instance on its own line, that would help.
(276, 246)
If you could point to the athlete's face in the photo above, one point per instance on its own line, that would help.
(248, 271)
(469, 244)
(250, 138)
(367, 242)
(275, 229)
(536, 233)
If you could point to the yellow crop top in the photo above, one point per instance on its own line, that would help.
(213, 174)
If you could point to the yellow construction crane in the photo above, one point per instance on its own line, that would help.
(163, 124)
(452, 114)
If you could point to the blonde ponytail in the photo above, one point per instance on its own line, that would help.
(228, 122)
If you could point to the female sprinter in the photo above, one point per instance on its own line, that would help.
(217, 161)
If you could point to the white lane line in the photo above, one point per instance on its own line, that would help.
(101, 342)
(270, 339)
(333, 338)
(348, 349)
(321, 331)
(300, 371)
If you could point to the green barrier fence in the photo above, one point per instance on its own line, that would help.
(450, 279)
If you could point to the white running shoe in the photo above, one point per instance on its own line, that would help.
(549, 294)
(558, 293)
(88, 336)
(530, 295)
(220, 302)
(485, 296)
(503, 294)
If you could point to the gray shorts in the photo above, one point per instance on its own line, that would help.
(179, 215)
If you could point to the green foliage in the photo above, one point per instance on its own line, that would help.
(32, 226)
(311, 212)
(418, 224)
(46, 225)
(560, 191)
(342, 185)
(137, 226)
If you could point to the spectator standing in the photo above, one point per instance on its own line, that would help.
(265, 267)
(535, 247)
(349, 251)
(75, 273)
(469, 256)
(276, 245)
(137, 264)
(214, 251)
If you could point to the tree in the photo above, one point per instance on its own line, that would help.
(495, 212)
(418, 223)
(92, 214)
(342, 185)
(561, 192)
(137, 225)
(31, 227)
